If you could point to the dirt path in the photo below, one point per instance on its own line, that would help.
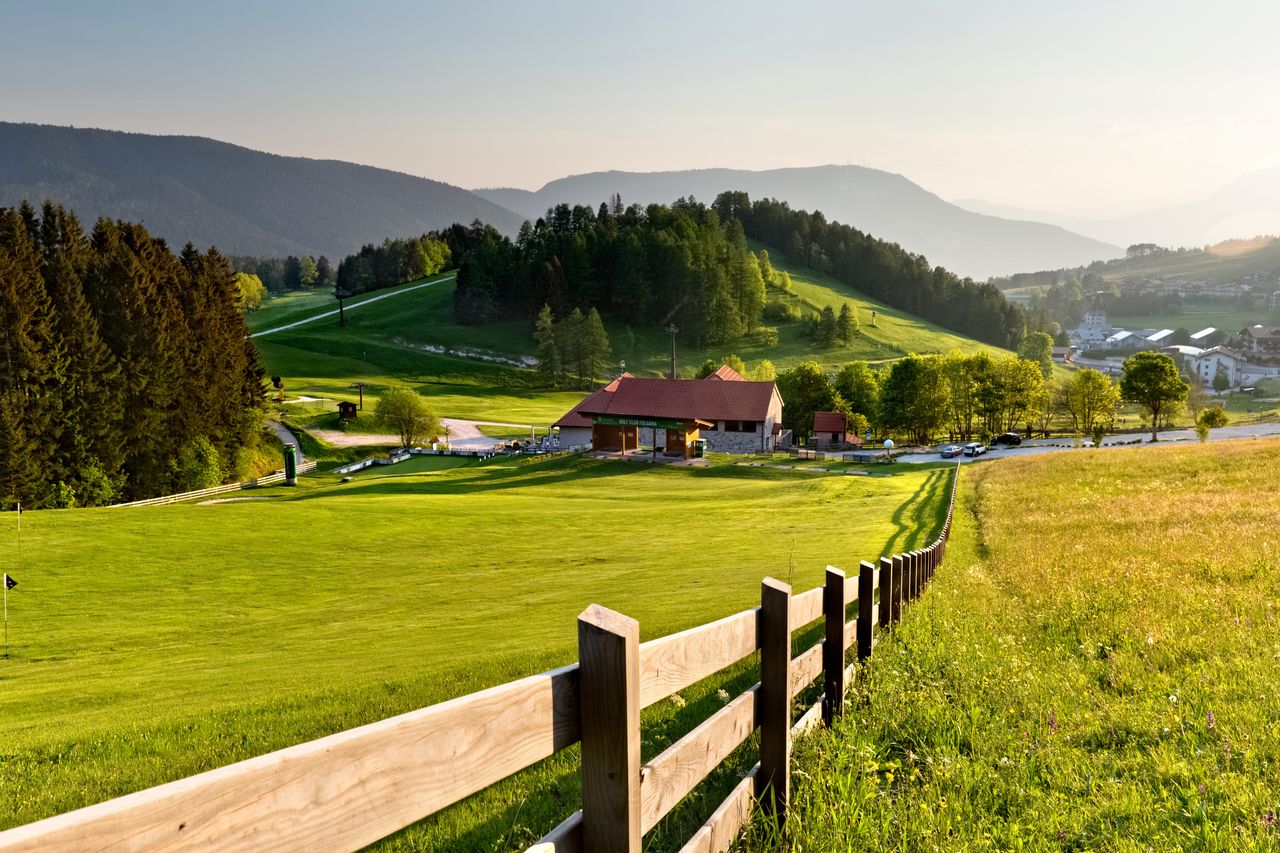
(464, 435)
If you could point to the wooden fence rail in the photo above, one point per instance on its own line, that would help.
(350, 789)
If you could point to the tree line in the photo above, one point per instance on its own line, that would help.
(125, 370)
(653, 265)
(880, 269)
(292, 273)
(966, 396)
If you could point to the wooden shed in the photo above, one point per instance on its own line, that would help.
(346, 411)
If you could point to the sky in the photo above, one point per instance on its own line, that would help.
(1085, 108)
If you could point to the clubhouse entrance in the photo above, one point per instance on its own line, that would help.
(622, 434)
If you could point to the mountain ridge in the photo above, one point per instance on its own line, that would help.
(884, 204)
(213, 193)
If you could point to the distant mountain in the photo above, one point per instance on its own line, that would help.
(882, 204)
(213, 193)
(1246, 207)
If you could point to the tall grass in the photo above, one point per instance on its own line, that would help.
(1095, 667)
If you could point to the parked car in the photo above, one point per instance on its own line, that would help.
(975, 448)
(951, 451)
(1010, 438)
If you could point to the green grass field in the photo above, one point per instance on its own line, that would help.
(1094, 668)
(390, 344)
(1210, 266)
(150, 644)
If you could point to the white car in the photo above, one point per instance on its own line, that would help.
(975, 448)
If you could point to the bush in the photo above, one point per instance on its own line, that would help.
(61, 496)
(781, 312)
(767, 336)
(96, 488)
(199, 466)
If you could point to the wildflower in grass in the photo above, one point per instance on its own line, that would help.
(1053, 721)
(1210, 720)
(678, 700)
(1269, 819)
(1173, 698)
(723, 695)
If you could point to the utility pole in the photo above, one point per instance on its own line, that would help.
(361, 386)
(673, 329)
(341, 294)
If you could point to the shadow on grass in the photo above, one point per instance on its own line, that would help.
(925, 511)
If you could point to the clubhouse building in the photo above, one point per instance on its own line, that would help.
(730, 413)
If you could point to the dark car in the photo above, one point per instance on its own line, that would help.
(951, 450)
(1012, 439)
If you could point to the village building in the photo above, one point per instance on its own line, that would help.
(831, 432)
(1160, 338)
(1129, 341)
(729, 413)
(1218, 360)
(1202, 336)
(1092, 332)
(1261, 340)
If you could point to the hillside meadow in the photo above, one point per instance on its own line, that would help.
(149, 644)
(1093, 668)
(414, 340)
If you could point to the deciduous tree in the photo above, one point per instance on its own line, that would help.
(1152, 381)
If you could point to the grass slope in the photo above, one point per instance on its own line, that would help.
(388, 344)
(150, 644)
(1220, 265)
(1093, 669)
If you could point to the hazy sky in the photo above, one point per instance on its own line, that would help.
(1094, 108)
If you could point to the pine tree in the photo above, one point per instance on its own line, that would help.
(324, 272)
(827, 326)
(550, 367)
(597, 347)
(844, 325)
(31, 366)
(90, 410)
(572, 332)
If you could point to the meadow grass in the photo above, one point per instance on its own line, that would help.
(1093, 668)
(150, 644)
(387, 344)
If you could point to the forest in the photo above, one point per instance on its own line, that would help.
(690, 264)
(125, 370)
(879, 269)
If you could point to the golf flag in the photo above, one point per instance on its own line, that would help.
(9, 583)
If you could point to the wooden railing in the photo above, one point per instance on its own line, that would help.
(355, 787)
(265, 480)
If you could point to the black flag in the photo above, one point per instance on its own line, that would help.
(9, 582)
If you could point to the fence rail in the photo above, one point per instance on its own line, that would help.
(268, 480)
(349, 789)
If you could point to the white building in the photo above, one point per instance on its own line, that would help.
(1209, 363)
(1092, 332)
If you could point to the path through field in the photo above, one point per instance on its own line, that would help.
(352, 307)
(463, 435)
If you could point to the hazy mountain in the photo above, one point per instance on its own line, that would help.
(880, 203)
(213, 193)
(1246, 207)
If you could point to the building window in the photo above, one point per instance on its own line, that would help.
(739, 426)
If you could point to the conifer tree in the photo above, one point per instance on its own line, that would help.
(844, 325)
(550, 367)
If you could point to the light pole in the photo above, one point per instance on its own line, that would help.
(674, 330)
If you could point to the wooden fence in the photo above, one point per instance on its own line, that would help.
(267, 480)
(350, 789)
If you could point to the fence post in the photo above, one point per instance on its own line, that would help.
(775, 698)
(886, 592)
(896, 608)
(917, 567)
(609, 685)
(866, 591)
(909, 582)
(833, 646)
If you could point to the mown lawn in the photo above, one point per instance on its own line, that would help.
(150, 644)
(1094, 668)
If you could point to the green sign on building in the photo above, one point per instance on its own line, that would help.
(655, 423)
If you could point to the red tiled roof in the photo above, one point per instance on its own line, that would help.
(575, 418)
(726, 373)
(683, 398)
(829, 422)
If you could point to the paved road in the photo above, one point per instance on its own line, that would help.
(1167, 438)
(286, 437)
(351, 307)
